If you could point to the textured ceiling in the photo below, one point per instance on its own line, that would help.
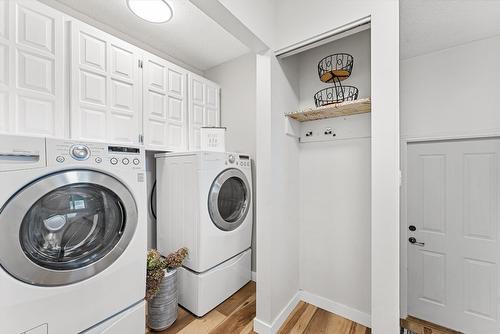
(431, 25)
(190, 36)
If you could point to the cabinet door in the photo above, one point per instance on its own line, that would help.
(31, 69)
(204, 107)
(106, 87)
(165, 105)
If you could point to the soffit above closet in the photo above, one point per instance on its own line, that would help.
(190, 36)
(432, 25)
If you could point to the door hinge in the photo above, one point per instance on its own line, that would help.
(141, 139)
(140, 63)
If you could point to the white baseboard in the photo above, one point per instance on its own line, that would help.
(262, 327)
(254, 276)
(347, 312)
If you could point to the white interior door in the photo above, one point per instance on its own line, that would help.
(453, 205)
(31, 69)
(106, 95)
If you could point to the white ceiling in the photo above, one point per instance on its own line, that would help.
(431, 25)
(190, 36)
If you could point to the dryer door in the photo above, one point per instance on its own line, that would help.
(66, 227)
(229, 199)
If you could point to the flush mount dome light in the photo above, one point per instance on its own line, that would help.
(155, 11)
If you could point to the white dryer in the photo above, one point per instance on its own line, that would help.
(204, 202)
(72, 236)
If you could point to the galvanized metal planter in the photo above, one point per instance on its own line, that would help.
(163, 308)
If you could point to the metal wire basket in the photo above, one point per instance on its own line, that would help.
(335, 94)
(336, 67)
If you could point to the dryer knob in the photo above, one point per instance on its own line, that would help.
(231, 158)
(80, 152)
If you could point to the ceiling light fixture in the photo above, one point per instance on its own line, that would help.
(155, 11)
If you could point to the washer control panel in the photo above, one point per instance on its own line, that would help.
(240, 160)
(61, 152)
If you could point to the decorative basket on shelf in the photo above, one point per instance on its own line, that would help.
(334, 69)
(336, 94)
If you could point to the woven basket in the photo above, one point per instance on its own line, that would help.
(163, 308)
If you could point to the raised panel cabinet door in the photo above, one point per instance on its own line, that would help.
(454, 207)
(165, 105)
(204, 107)
(31, 69)
(106, 96)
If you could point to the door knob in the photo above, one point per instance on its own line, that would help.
(414, 241)
(412, 228)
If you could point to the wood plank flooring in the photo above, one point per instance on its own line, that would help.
(236, 314)
(419, 326)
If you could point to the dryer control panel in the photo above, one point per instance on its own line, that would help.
(60, 152)
(239, 160)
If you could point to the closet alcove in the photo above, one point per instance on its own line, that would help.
(334, 178)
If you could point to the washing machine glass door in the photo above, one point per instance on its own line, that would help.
(66, 227)
(229, 199)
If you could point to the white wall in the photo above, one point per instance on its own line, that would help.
(277, 199)
(285, 171)
(257, 15)
(238, 111)
(357, 45)
(452, 92)
(335, 227)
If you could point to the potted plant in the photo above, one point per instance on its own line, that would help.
(161, 287)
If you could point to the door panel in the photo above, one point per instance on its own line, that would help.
(453, 201)
(31, 69)
(204, 109)
(165, 105)
(109, 88)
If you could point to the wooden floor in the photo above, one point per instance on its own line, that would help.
(423, 327)
(235, 316)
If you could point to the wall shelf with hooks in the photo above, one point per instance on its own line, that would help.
(347, 108)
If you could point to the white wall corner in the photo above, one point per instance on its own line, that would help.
(292, 127)
(345, 311)
(254, 276)
(262, 327)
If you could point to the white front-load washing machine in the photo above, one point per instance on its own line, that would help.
(204, 202)
(72, 236)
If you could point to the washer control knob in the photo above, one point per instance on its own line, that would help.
(113, 161)
(231, 158)
(136, 161)
(125, 161)
(98, 160)
(60, 159)
(79, 152)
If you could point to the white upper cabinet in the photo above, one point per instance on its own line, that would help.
(204, 107)
(31, 69)
(106, 87)
(165, 105)
(60, 77)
